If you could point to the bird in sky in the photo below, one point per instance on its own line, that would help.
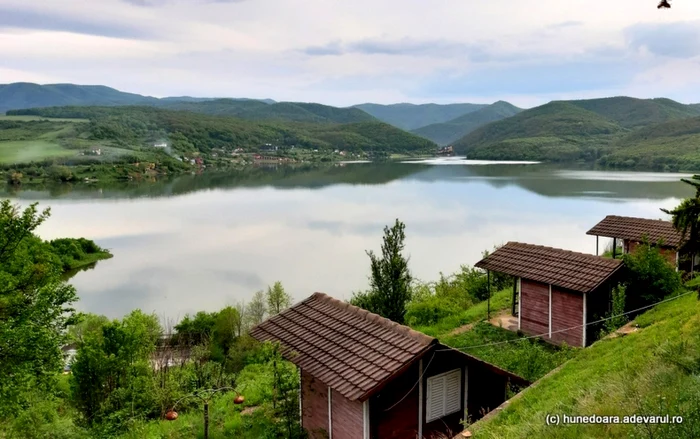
(664, 4)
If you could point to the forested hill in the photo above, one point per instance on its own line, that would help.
(411, 116)
(633, 113)
(281, 111)
(194, 132)
(450, 131)
(620, 131)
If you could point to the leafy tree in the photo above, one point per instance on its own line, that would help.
(285, 396)
(112, 379)
(256, 309)
(225, 331)
(196, 330)
(240, 323)
(390, 281)
(277, 299)
(35, 307)
(686, 217)
(86, 324)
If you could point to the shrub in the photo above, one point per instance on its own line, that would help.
(651, 276)
(430, 310)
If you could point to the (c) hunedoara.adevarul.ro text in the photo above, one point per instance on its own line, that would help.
(556, 419)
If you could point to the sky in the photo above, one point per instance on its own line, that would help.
(341, 52)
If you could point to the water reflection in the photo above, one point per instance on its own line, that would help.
(202, 242)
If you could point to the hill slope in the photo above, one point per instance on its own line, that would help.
(555, 131)
(192, 132)
(633, 113)
(448, 132)
(411, 116)
(669, 146)
(653, 371)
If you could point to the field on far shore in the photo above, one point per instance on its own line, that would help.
(22, 151)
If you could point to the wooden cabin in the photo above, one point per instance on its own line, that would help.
(557, 292)
(365, 377)
(633, 231)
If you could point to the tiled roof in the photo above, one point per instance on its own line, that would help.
(636, 229)
(347, 348)
(566, 269)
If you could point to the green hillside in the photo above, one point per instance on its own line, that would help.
(652, 371)
(411, 116)
(448, 132)
(557, 131)
(633, 113)
(673, 145)
(192, 132)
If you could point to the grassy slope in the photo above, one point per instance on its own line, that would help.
(554, 131)
(528, 358)
(450, 131)
(411, 117)
(619, 376)
(676, 141)
(31, 150)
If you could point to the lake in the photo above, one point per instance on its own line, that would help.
(201, 242)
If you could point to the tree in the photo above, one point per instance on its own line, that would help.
(256, 309)
(240, 323)
(112, 378)
(35, 307)
(686, 217)
(277, 299)
(390, 281)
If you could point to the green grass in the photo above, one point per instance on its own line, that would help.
(634, 374)
(32, 118)
(22, 151)
(499, 301)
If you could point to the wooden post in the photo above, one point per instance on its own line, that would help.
(596, 245)
(488, 295)
(206, 419)
(614, 247)
(515, 293)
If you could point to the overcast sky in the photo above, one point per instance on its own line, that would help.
(344, 52)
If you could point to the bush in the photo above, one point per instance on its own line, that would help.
(650, 276)
(430, 310)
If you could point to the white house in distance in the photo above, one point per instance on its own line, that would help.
(160, 145)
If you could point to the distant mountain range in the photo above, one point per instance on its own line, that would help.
(447, 132)
(623, 131)
(20, 95)
(410, 116)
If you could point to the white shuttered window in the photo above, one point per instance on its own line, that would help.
(443, 395)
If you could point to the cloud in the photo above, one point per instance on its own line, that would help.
(401, 47)
(676, 40)
(34, 20)
(565, 24)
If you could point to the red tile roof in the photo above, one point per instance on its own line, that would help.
(635, 229)
(349, 349)
(566, 269)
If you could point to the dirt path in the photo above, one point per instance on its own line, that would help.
(502, 319)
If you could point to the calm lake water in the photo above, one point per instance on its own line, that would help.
(203, 242)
